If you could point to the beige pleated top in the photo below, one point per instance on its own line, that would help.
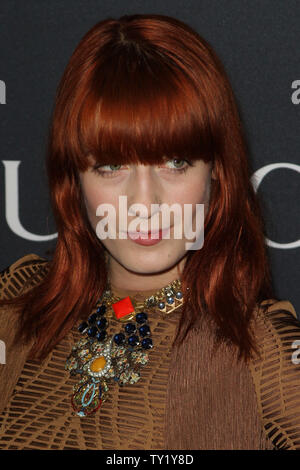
(35, 398)
(39, 414)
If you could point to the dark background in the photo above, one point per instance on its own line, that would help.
(259, 45)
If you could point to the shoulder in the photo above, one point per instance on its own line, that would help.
(15, 277)
(276, 373)
(14, 280)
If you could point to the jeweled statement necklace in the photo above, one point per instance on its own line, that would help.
(100, 359)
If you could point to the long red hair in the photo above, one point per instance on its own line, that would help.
(136, 89)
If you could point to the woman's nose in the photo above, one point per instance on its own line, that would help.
(144, 188)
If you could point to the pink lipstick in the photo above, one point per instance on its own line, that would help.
(147, 241)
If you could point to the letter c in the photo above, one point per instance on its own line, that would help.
(256, 180)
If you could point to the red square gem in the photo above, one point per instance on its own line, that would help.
(123, 307)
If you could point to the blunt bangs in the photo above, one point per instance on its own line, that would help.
(140, 110)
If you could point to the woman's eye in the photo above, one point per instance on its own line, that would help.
(106, 173)
(177, 163)
(179, 168)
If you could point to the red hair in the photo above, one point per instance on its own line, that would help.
(136, 89)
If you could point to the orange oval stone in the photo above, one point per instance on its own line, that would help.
(98, 364)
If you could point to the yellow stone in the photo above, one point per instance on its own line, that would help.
(98, 364)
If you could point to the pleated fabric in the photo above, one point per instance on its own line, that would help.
(195, 396)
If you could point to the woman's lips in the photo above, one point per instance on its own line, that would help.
(147, 238)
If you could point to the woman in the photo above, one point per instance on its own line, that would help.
(117, 343)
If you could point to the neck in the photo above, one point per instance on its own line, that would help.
(122, 279)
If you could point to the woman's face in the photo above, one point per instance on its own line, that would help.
(147, 184)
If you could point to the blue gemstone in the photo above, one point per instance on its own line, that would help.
(101, 335)
(101, 323)
(130, 328)
(147, 343)
(161, 305)
(141, 317)
(144, 330)
(82, 327)
(178, 295)
(170, 300)
(101, 310)
(133, 340)
(92, 331)
(119, 338)
(92, 318)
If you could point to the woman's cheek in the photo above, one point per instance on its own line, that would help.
(93, 200)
